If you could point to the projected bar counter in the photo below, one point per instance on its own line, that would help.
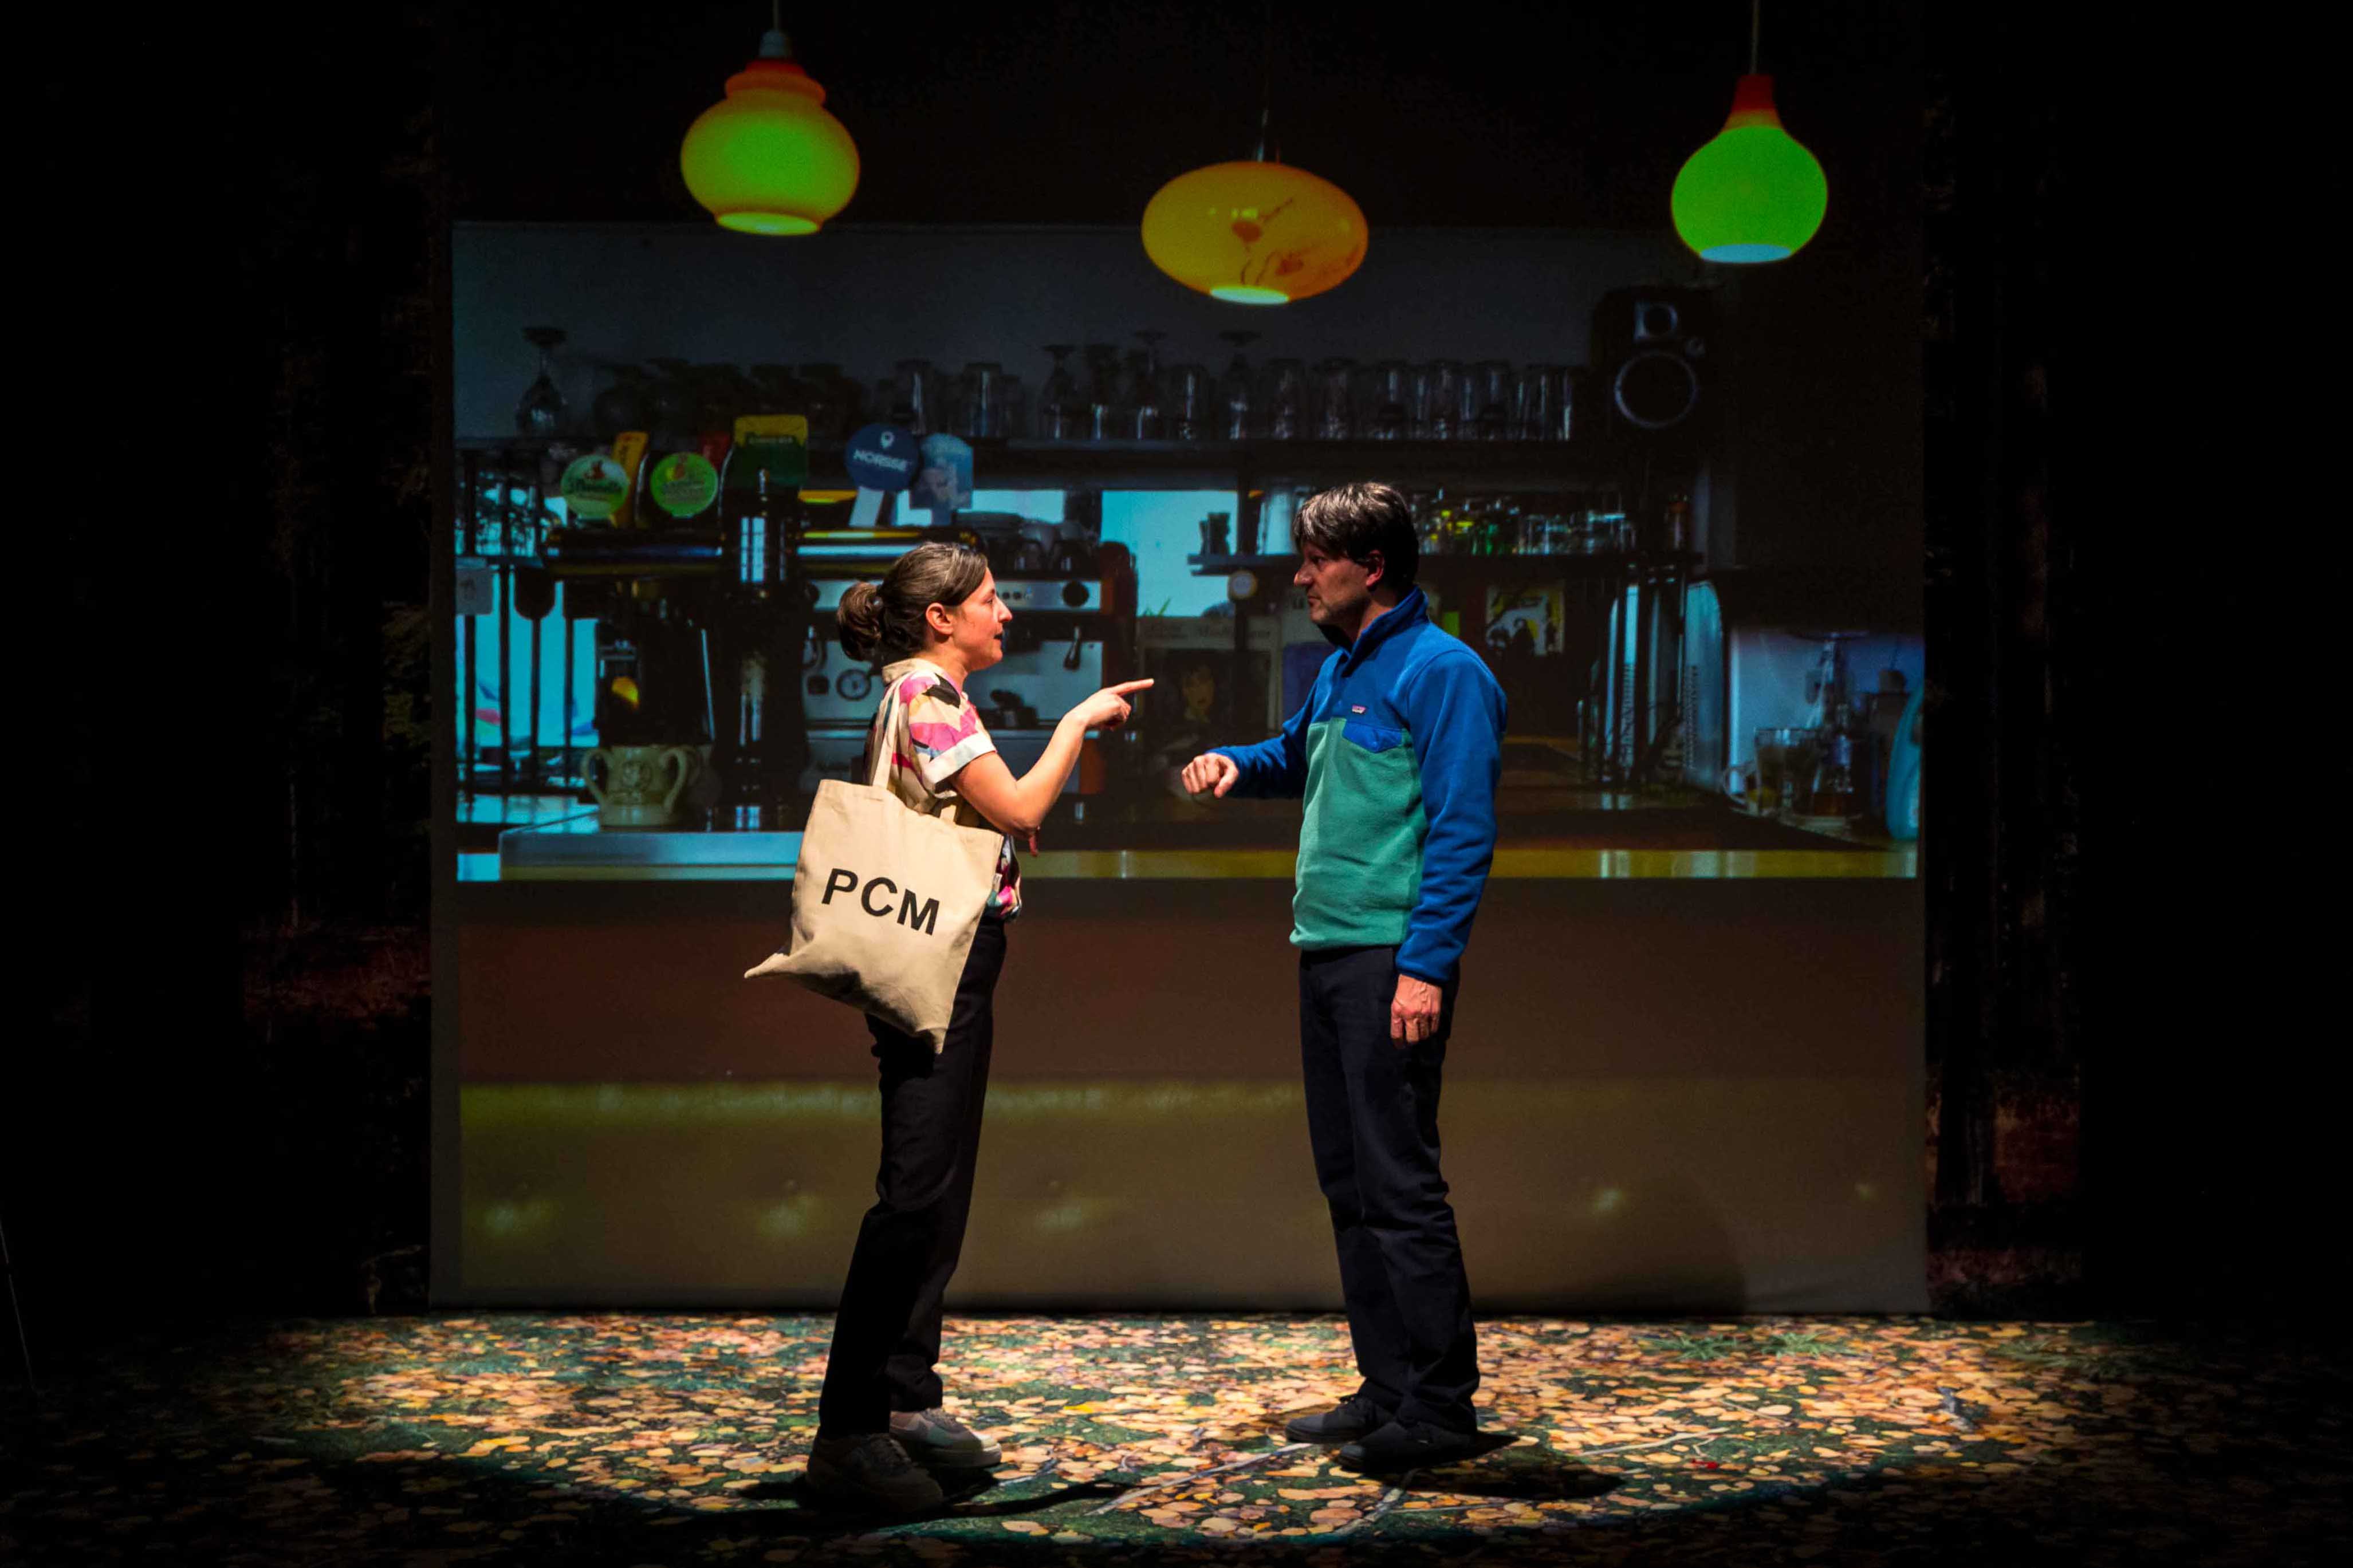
(1656, 843)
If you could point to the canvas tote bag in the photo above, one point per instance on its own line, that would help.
(886, 901)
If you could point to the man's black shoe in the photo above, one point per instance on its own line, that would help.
(868, 1472)
(1409, 1446)
(1354, 1416)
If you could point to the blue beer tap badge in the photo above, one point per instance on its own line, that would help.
(883, 458)
(943, 478)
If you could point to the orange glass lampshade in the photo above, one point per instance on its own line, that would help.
(767, 158)
(1254, 233)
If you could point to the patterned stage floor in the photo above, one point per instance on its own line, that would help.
(514, 1438)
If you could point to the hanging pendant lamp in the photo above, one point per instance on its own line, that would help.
(767, 158)
(1255, 231)
(1753, 194)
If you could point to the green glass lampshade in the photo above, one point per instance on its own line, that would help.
(767, 158)
(1753, 194)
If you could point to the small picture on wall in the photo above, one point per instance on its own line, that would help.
(1526, 620)
(1187, 712)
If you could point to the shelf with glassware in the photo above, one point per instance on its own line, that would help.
(1106, 393)
(1030, 463)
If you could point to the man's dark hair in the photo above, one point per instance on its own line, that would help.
(1360, 521)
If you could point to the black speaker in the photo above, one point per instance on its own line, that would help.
(1655, 373)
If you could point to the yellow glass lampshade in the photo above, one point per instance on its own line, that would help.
(1254, 233)
(767, 158)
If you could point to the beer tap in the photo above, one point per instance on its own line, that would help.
(1078, 638)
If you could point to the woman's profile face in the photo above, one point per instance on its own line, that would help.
(977, 625)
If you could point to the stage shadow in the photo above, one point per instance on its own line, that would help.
(967, 1498)
(351, 1507)
(1507, 1469)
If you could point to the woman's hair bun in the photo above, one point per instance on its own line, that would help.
(859, 618)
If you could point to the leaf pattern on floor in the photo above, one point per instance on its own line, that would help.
(514, 1438)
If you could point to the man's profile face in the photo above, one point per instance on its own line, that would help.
(1338, 588)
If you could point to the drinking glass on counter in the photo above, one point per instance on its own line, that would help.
(1804, 750)
(1772, 771)
(1061, 407)
(1788, 758)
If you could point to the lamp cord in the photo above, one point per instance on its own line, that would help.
(1265, 77)
(1755, 24)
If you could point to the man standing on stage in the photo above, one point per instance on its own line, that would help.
(1396, 753)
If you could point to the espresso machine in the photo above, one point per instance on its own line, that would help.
(1070, 599)
(699, 632)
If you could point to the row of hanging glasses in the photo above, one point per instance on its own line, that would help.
(1108, 396)
(1096, 392)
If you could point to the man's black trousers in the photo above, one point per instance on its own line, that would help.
(1372, 1112)
(886, 1341)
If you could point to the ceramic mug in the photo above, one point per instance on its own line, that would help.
(641, 784)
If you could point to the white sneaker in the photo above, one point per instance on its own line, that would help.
(937, 1439)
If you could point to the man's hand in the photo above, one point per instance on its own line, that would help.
(1413, 1015)
(1212, 772)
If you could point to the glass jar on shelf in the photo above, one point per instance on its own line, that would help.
(1335, 400)
(541, 411)
(1192, 402)
(1392, 397)
(1286, 400)
(829, 406)
(1431, 520)
(1060, 405)
(1103, 422)
(1488, 399)
(1142, 393)
(981, 414)
(1534, 403)
(1016, 406)
(1576, 415)
(1238, 401)
(625, 405)
(779, 390)
(916, 388)
(1443, 418)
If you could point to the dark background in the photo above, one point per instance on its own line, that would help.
(220, 1102)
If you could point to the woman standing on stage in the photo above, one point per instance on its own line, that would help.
(937, 621)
